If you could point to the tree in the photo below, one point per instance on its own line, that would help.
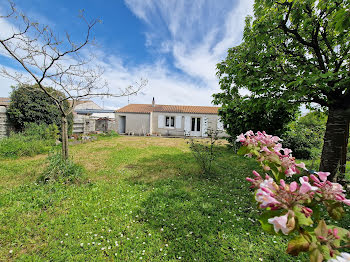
(294, 52)
(240, 114)
(304, 136)
(60, 63)
(31, 105)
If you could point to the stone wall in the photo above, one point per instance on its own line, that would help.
(3, 122)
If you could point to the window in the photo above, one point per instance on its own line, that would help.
(193, 128)
(169, 121)
(196, 124)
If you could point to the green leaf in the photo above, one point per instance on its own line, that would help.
(297, 245)
(321, 229)
(242, 150)
(301, 218)
(316, 255)
(335, 210)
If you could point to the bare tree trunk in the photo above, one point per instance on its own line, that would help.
(64, 134)
(336, 138)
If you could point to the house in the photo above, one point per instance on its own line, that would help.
(168, 120)
(89, 117)
(4, 128)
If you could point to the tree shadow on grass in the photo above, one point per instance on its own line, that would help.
(204, 219)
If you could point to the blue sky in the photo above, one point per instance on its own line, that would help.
(175, 44)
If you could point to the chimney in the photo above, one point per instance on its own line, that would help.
(153, 103)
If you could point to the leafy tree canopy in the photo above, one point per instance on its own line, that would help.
(240, 115)
(29, 104)
(294, 52)
(305, 135)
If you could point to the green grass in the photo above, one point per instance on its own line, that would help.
(145, 201)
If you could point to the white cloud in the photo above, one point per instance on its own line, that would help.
(196, 34)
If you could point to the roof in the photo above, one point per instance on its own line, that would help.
(145, 108)
(92, 111)
(79, 102)
(5, 101)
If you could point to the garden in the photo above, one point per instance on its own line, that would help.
(141, 198)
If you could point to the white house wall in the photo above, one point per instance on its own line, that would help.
(174, 131)
(138, 124)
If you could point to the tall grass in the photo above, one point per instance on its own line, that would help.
(35, 139)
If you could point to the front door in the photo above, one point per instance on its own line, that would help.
(122, 123)
(196, 123)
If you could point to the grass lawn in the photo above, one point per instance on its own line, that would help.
(145, 201)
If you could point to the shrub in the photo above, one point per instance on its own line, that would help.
(61, 170)
(110, 133)
(35, 139)
(18, 145)
(204, 153)
(41, 131)
(29, 104)
(305, 136)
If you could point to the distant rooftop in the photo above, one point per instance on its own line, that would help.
(148, 108)
(5, 101)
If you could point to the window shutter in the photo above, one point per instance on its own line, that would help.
(161, 121)
(178, 121)
(220, 124)
(205, 127)
(187, 125)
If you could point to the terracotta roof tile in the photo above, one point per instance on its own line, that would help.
(5, 101)
(144, 108)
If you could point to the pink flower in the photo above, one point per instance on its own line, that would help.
(301, 165)
(265, 199)
(268, 183)
(346, 201)
(307, 211)
(280, 223)
(287, 151)
(305, 185)
(343, 257)
(241, 138)
(293, 186)
(265, 149)
(323, 175)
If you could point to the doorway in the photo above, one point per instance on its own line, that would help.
(122, 124)
(195, 126)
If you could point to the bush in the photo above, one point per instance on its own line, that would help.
(305, 136)
(110, 133)
(204, 152)
(18, 145)
(29, 104)
(61, 170)
(35, 139)
(41, 131)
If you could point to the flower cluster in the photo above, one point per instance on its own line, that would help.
(329, 190)
(284, 196)
(289, 206)
(269, 152)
